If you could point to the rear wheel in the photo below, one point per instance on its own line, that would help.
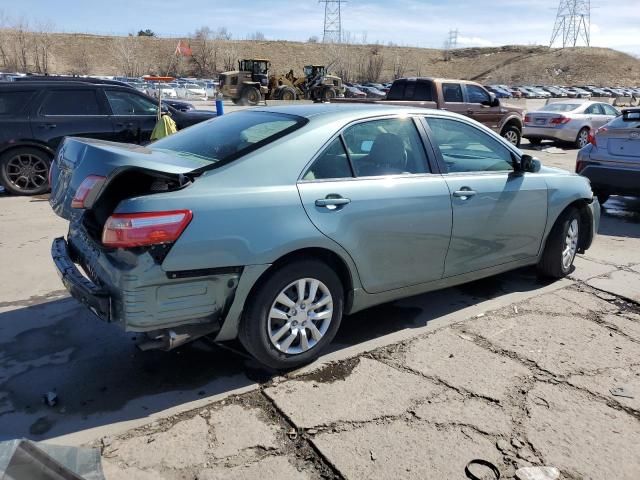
(251, 96)
(562, 246)
(25, 171)
(328, 94)
(583, 138)
(512, 135)
(293, 315)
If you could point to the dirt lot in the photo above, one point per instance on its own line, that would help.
(505, 369)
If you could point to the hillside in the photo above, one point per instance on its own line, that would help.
(101, 55)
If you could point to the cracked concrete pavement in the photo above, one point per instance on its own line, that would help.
(507, 370)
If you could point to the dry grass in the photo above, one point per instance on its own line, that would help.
(98, 55)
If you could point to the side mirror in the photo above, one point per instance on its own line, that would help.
(526, 163)
(495, 102)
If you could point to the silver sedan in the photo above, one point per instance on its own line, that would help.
(567, 121)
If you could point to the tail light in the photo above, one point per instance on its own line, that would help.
(579, 166)
(559, 120)
(527, 119)
(592, 136)
(90, 184)
(126, 230)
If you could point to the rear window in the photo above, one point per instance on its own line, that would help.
(621, 122)
(559, 107)
(13, 102)
(231, 136)
(407, 90)
(71, 102)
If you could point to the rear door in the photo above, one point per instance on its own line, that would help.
(371, 190)
(596, 116)
(479, 107)
(71, 111)
(453, 98)
(499, 216)
(134, 116)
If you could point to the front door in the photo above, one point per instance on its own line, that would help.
(372, 192)
(479, 107)
(134, 115)
(499, 216)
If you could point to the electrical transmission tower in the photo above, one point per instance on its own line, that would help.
(332, 21)
(452, 43)
(573, 22)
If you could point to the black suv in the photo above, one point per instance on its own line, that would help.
(36, 115)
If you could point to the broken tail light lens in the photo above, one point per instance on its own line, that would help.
(559, 120)
(86, 187)
(127, 230)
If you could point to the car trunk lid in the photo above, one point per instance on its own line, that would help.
(79, 158)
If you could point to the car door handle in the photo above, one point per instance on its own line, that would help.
(464, 194)
(48, 125)
(334, 202)
(128, 125)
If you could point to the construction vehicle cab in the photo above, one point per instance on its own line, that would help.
(321, 86)
(249, 84)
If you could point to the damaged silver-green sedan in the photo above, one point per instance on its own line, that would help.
(270, 224)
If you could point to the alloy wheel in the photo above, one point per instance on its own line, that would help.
(512, 137)
(300, 316)
(583, 138)
(570, 244)
(27, 172)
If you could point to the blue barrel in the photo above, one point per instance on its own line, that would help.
(219, 105)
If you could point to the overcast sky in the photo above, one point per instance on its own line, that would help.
(423, 23)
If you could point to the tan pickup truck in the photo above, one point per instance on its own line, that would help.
(459, 96)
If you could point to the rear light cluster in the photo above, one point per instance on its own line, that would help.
(527, 119)
(127, 230)
(559, 120)
(592, 136)
(92, 182)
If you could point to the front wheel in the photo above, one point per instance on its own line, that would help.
(251, 96)
(328, 94)
(293, 315)
(583, 138)
(512, 135)
(562, 246)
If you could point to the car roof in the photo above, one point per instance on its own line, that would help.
(347, 111)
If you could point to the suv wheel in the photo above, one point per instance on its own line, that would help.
(293, 315)
(512, 135)
(25, 171)
(251, 96)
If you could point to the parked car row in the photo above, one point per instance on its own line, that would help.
(559, 91)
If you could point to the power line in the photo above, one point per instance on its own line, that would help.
(573, 22)
(332, 21)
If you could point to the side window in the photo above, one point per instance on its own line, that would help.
(332, 163)
(126, 103)
(423, 92)
(71, 102)
(468, 149)
(13, 102)
(452, 93)
(594, 109)
(477, 95)
(609, 110)
(397, 90)
(385, 147)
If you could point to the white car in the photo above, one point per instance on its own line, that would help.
(567, 121)
(211, 88)
(191, 91)
(167, 90)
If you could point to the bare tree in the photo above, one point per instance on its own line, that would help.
(257, 36)
(400, 67)
(204, 52)
(129, 55)
(21, 44)
(80, 61)
(42, 43)
(223, 34)
(229, 56)
(4, 40)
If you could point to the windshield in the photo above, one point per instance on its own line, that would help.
(559, 107)
(230, 136)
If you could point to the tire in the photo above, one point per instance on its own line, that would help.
(583, 138)
(287, 93)
(328, 94)
(25, 171)
(535, 141)
(263, 335)
(512, 134)
(561, 247)
(251, 96)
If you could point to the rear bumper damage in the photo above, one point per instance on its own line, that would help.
(132, 290)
